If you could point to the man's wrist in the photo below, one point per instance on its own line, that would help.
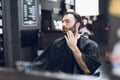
(76, 51)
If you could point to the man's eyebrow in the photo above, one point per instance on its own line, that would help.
(66, 20)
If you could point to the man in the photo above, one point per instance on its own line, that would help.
(72, 53)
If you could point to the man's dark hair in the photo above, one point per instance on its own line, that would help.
(77, 16)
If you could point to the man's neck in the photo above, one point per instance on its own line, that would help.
(77, 36)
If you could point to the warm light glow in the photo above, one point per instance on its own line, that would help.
(87, 7)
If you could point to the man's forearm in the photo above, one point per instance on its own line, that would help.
(78, 56)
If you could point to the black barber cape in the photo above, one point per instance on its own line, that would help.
(58, 56)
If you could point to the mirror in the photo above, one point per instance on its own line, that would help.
(98, 20)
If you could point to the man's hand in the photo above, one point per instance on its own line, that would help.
(71, 40)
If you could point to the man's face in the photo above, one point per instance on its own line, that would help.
(68, 23)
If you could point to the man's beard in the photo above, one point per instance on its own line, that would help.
(73, 29)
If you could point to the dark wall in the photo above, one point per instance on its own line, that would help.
(103, 18)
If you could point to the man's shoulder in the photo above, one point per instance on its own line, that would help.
(59, 41)
(84, 41)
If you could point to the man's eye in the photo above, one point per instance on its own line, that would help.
(67, 21)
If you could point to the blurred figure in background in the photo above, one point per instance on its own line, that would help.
(86, 28)
(114, 38)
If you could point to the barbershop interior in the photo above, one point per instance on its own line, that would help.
(28, 27)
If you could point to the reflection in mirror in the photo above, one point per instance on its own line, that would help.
(67, 56)
(72, 53)
(97, 20)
